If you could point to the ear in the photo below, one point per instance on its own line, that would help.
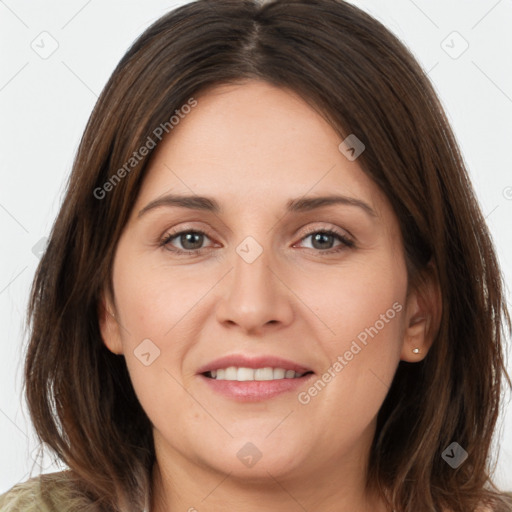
(422, 315)
(109, 327)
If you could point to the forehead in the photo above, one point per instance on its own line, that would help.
(258, 145)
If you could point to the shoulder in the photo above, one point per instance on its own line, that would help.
(502, 503)
(50, 492)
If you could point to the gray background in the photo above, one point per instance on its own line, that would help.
(46, 98)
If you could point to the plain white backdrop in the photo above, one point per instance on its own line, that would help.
(56, 57)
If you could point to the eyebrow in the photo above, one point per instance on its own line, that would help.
(209, 204)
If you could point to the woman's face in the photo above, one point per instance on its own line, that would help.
(267, 283)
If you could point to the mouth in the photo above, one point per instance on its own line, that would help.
(250, 379)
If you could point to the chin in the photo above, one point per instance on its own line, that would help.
(259, 460)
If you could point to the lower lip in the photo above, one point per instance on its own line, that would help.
(254, 390)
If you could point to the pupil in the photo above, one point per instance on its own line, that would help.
(319, 237)
(189, 238)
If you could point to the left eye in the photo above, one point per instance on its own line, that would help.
(320, 237)
(191, 241)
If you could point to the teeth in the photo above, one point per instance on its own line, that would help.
(241, 374)
(259, 373)
(231, 373)
(278, 373)
(245, 374)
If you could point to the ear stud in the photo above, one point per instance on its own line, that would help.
(416, 350)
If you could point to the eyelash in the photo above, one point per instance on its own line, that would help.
(345, 241)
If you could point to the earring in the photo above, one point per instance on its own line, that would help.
(416, 350)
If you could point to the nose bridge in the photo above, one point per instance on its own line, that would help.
(252, 266)
(253, 296)
(252, 281)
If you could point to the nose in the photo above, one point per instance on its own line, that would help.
(255, 297)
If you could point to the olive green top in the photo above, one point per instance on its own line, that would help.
(55, 488)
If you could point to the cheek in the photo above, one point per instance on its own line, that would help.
(155, 298)
(362, 295)
(149, 307)
(363, 306)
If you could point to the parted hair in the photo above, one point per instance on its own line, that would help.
(363, 80)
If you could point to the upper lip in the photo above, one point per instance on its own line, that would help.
(261, 361)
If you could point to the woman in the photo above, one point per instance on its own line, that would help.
(331, 340)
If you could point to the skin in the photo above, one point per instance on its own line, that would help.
(252, 147)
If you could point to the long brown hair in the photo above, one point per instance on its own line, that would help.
(363, 80)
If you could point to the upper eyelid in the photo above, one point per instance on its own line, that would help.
(330, 227)
(326, 226)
